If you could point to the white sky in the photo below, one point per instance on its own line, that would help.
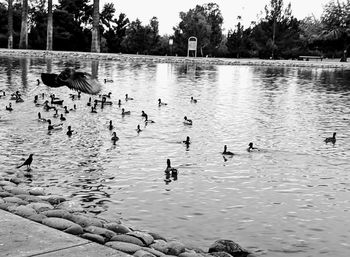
(167, 11)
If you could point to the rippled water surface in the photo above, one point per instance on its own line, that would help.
(290, 199)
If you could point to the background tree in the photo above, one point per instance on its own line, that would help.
(49, 26)
(95, 35)
(203, 22)
(10, 25)
(23, 41)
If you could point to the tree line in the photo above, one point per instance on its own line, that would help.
(77, 25)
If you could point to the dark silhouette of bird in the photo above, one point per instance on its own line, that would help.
(28, 162)
(331, 139)
(75, 80)
(225, 152)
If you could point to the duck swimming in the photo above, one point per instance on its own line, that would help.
(89, 103)
(114, 137)
(125, 112)
(119, 102)
(107, 95)
(138, 129)
(251, 148)
(79, 81)
(160, 103)
(104, 101)
(169, 169)
(187, 121)
(62, 118)
(331, 139)
(9, 108)
(110, 126)
(70, 131)
(147, 121)
(225, 152)
(55, 126)
(93, 109)
(143, 114)
(127, 98)
(108, 80)
(187, 141)
(47, 107)
(54, 101)
(66, 109)
(193, 100)
(41, 119)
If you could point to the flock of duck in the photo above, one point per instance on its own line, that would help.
(56, 104)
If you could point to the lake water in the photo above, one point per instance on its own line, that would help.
(289, 199)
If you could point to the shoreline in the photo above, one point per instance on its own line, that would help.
(326, 63)
(33, 204)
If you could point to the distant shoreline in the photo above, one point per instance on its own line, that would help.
(326, 63)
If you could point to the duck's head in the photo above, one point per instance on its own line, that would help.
(185, 117)
(123, 109)
(334, 134)
(65, 107)
(225, 148)
(250, 145)
(39, 115)
(49, 121)
(168, 163)
(159, 100)
(146, 117)
(187, 139)
(110, 122)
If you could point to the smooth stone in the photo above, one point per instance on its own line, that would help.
(74, 230)
(175, 248)
(17, 191)
(221, 254)
(5, 194)
(16, 180)
(147, 239)
(160, 245)
(190, 254)
(24, 211)
(37, 217)
(7, 183)
(127, 239)
(40, 207)
(117, 228)
(100, 231)
(4, 206)
(124, 247)
(224, 245)
(85, 221)
(63, 214)
(63, 224)
(153, 251)
(142, 253)
(37, 191)
(16, 200)
(71, 206)
(93, 237)
(29, 198)
(53, 199)
(157, 236)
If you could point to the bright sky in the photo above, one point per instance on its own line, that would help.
(167, 11)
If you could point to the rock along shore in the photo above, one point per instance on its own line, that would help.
(326, 63)
(57, 212)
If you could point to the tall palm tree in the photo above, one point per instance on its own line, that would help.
(49, 26)
(23, 40)
(95, 39)
(10, 25)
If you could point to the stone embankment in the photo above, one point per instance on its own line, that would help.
(326, 63)
(57, 212)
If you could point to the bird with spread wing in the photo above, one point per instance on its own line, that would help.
(75, 80)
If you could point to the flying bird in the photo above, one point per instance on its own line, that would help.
(75, 80)
(28, 162)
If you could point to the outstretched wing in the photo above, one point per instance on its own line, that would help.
(79, 81)
(49, 79)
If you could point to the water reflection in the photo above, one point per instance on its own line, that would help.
(295, 190)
